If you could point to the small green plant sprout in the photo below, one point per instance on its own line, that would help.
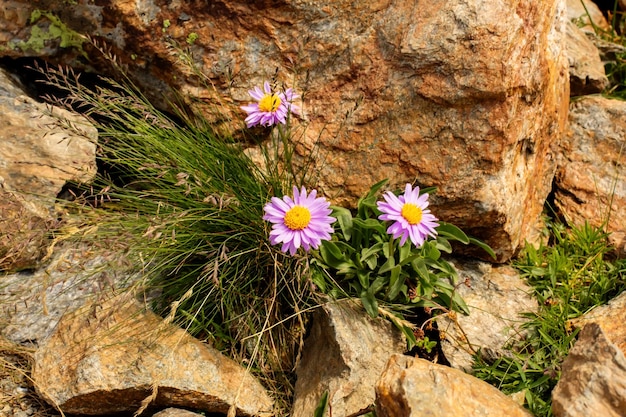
(426, 344)
(166, 25)
(322, 406)
(191, 38)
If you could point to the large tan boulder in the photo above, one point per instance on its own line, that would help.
(466, 95)
(38, 156)
(113, 356)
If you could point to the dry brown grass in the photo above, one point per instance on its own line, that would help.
(17, 394)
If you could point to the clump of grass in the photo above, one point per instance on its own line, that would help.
(16, 387)
(569, 277)
(189, 204)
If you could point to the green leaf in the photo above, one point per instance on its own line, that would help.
(369, 201)
(344, 219)
(371, 252)
(443, 245)
(410, 336)
(451, 231)
(334, 258)
(396, 281)
(428, 190)
(369, 224)
(431, 251)
(378, 284)
(322, 406)
(318, 278)
(483, 246)
(364, 278)
(374, 188)
(405, 251)
(386, 267)
(419, 266)
(459, 304)
(330, 252)
(372, 262)
(370, 304)
(410, 259)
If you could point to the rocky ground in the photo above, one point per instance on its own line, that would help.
(45, 282)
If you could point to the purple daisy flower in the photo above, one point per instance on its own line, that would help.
(271, 107)
(410, 216)
(301, 221)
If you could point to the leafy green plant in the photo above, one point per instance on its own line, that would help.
(569, 278)
(365, 261)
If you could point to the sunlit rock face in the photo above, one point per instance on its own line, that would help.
(469, 96)
(590, 185)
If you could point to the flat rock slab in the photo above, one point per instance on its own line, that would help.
(110, 356)
(412, 387)
(496, 297)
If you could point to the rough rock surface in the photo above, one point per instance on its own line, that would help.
(412, 387)
(593, 378)
(37, 158)
(345, 353)
(496, 297)
(610, 317)
(32, 303)
(23, 233)
(586, 70)
(176, 412)
(108, 357)
(591, 179)
(465, 95)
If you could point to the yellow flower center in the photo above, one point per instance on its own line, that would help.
(297, 218)
(269, 103)
(411, 213)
